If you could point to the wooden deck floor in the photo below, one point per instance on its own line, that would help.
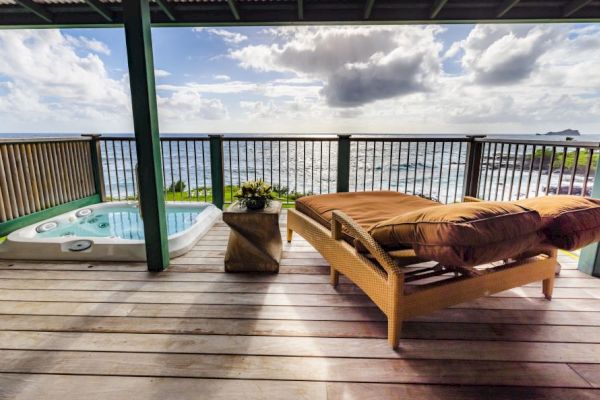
(114, 331)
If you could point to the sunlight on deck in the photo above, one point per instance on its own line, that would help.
(113, 330)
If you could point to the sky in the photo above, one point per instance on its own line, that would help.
(467, 79)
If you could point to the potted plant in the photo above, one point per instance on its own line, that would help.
(254, 195)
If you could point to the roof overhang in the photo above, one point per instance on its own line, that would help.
(98, 13)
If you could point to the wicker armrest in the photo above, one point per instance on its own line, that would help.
(471, 199)
(340, 220)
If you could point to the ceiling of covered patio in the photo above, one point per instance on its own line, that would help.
(249, 12)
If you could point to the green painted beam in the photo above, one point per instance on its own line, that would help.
(217, 170)
(26, 220)
(575, 6)
(343, 164)
(101, 9)
(234, 9)
(300, 9)
(138, 38)
(505, 7)
(37, 9)
(368, 9)
(437, 7)
(166, 8)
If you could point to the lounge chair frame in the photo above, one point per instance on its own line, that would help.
(383, 277)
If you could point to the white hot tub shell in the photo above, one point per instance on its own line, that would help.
(26, 243)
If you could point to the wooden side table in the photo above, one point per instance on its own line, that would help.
(255, 240)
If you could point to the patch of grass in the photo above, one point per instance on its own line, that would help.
(582, 161)
(203, 194)
(3, 239)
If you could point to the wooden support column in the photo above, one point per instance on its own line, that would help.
(589, 259)
(343, 163)
(136, 17)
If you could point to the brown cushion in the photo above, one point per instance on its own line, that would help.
(366, 208)
(463, 234)
(569, 222)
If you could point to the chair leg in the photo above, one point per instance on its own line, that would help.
(394, 329)
(547, 287)
(334, 276)
(290, 233)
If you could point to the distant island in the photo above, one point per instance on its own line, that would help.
(566, 132)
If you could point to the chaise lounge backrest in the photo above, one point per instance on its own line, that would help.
(463, 234)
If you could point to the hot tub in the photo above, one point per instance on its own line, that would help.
(107, 232)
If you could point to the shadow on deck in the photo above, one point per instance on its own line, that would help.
(115, 331)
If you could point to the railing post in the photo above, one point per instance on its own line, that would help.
(473, 164)
(96, 160)
(343, 163)
(589, 258)
(216, 170)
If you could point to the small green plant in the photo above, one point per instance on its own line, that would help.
(176, 187)
(254, 195)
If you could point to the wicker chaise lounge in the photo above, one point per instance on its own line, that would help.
(343, 227)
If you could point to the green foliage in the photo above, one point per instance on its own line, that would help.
(176, 187)
(280, 189)
(582, 161)
(2, 239)
(254, 194)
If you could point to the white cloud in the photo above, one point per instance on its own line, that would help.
(189, 106)
(359, 65)
(227, 36)
(50, 86)
(89, 44)
(222, 77)
(505, 54)
(161, 73)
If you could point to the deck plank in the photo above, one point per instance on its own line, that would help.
(113, 330)
(292, 368)
(410, 349)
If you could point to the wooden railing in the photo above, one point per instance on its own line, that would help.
(38, 175)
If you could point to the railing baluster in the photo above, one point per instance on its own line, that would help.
(107, 158)
(132, 168)
(540, 169)
(449, 170)
(505, 171)
(432, 167)
(439, 188)
(562, 170)
(460, 146)
(489, 196)
(514, 169)
(194, 143)
(424, 166)
(550, 170)
(587, 171)
(574, 170)
(381, 170)
(529, 177)
(124, 171)
(390, 169)
(499, 172)
(522, 168)
(321, 168)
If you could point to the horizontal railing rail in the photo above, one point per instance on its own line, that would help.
(441, 167)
